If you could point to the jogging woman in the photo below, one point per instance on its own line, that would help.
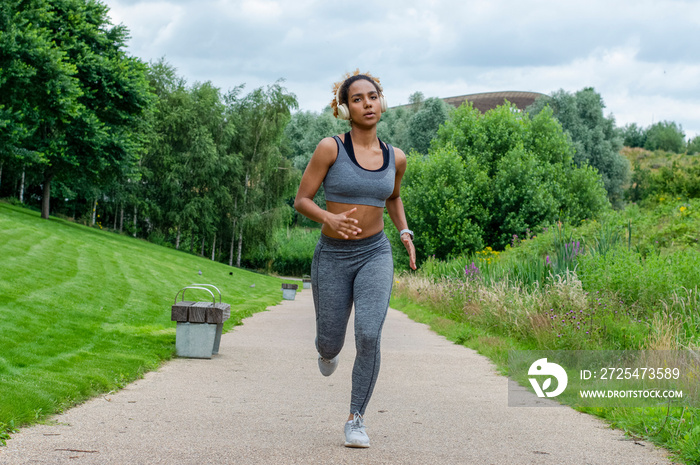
(352, 263)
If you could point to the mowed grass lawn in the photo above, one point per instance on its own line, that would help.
(84, 311)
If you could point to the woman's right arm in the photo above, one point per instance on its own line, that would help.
(323, 158)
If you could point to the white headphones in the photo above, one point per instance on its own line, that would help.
(344, 112)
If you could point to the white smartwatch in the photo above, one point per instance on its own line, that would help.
(404, 231)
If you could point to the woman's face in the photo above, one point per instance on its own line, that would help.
(363, 103)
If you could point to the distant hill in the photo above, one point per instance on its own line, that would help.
(486, 101)
(489, 100)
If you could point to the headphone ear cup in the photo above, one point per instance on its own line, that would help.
(343, 112)
(382, 101)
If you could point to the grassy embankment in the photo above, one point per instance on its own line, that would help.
(654, 160)
(638, 292)
(84, 311)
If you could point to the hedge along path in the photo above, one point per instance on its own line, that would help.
(262, 400)
(84, 311)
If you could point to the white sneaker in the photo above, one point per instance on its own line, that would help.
(355, 435)
(327, 367)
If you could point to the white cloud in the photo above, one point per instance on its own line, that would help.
(639, 55)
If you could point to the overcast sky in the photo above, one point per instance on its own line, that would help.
(642, 56)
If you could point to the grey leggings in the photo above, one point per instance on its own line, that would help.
(344, 272)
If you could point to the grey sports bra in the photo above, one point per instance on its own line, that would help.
(347, 182)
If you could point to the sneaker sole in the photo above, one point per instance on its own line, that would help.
(357, 446)
(330, 368)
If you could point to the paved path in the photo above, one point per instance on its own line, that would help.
(263, 401)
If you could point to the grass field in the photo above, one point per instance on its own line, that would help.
(84, 311)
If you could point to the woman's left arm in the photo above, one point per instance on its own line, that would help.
(394, 205)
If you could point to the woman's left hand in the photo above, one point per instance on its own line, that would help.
(410, 248)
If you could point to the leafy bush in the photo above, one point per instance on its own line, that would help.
(491, 176)
(291, 254)
(446, 199)
(674, 181)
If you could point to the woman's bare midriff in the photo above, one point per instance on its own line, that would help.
(369, 219)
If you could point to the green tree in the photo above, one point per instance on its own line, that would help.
(594, 136)
(665, 135)
(488, 177)
(73, 89)
(633, 135)
(413, 126)
(424, 124)
(267, 180)
(301, 136)
(305, 130)
(393, 127)
(415, 100)
(694, 146)
(38, 88)
(188, 160)
(103, 141)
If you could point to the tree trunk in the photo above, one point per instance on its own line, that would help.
(2, 162)
(177, 238)
(94, 212)
(21, 188)
(136, 210)
(192, 242)
(213, 247)
(245, 204)
(201, 252)
(240, 248)
(233, 240)
(121, 219)
(114, 226)
(46, 197)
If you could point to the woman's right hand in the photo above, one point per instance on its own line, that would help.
(342, 224)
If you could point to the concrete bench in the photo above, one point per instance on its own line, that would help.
(199, 324)
(289, 291)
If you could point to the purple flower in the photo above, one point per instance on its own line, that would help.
(471, 271)
(547, 260)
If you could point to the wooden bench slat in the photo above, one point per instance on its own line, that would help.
(200, 312)
(180, 311)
